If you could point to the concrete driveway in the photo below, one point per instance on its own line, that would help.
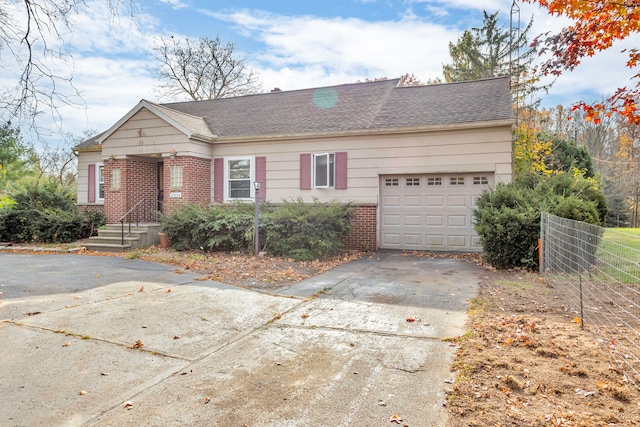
(336, 349)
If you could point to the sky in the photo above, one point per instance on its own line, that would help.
(294, 44)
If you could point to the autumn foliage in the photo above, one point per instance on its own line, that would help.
(596, 26)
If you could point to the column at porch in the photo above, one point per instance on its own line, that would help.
(187, 179)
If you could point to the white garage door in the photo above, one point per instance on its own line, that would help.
(430, 212)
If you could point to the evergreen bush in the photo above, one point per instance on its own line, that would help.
(46, 213)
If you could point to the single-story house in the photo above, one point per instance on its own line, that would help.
(410, 159)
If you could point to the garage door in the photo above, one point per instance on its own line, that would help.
(430, 212)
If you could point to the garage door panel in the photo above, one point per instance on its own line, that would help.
(457, 201)
(413, 240)
(415, 220)
(457, 241)
(388, 219)
(392, 201)
(431, 211)
(434, 220)
(457, 221)
(413, 201)
(434, 239)
(435, 201)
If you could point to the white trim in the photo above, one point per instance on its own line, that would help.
(157, 110)
(329, 170)
(98, 198)
(252, 173)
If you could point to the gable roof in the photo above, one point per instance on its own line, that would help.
(352, 108)
(193, 127)
(343, 109)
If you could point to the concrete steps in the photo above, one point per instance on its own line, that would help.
(109, 239)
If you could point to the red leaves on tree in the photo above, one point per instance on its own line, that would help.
(597, 25)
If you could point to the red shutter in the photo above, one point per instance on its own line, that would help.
(218, 180)
(91, 197)
(261, 176)
(341, 171)
(305, 171)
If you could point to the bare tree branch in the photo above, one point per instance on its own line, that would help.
(203, 69)
(33, 40)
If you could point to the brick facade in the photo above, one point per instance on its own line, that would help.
(363, 234)
(196, 182)
(138, 181)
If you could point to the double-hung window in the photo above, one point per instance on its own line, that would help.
(239, 178)
(323, 170)
(100, 182)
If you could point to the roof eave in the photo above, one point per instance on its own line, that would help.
(377, 131)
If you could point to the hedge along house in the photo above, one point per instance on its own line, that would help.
(410, 159)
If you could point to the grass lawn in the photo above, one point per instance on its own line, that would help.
(620, 253)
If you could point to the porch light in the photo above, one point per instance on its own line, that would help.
(256, 234)
(172, 154)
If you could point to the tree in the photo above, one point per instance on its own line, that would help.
(487, 52)
(597, 24)
(32, 35)
(203, 69)
(14, 154)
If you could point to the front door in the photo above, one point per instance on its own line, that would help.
(160, 189)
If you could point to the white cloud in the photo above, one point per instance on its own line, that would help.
(176, 4)
(339, 50)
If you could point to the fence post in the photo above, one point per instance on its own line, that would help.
(581, 304)
(541, 241)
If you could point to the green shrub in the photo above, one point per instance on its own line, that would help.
(46, 213)
(507, 218)
(306, 231)
(216, 228)
(294, 229)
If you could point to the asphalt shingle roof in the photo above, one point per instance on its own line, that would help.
(348, 108)
(353, 107)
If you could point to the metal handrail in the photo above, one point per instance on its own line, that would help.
(135, 207)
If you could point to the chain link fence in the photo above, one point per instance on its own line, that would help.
(597, 271)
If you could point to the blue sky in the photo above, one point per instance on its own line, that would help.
(295, 44)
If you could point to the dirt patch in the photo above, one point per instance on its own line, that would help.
(256, 272)
(526, 361)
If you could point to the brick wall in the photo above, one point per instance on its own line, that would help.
(196, 181)
(138, 181)
(364, 229)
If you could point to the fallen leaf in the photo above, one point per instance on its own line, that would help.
(396, 419)
(137, 344)
(97, 275)
(382, 402)
(141, 289)
(207, 399)
(104, 374)
(304, 315)
(176, 337)
(127, 405)
(168, 290)
(82, 393)
(410, 319)
(66, 344)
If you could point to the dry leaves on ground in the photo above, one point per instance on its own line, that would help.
(526, 362)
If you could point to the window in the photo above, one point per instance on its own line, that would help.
(175, 178)
(391, 182)
(323, 170)
(100, 182)
(434, 181)
(239, 177)
(115, 180)
(480, 180)
(413, 182)
(456, 180)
